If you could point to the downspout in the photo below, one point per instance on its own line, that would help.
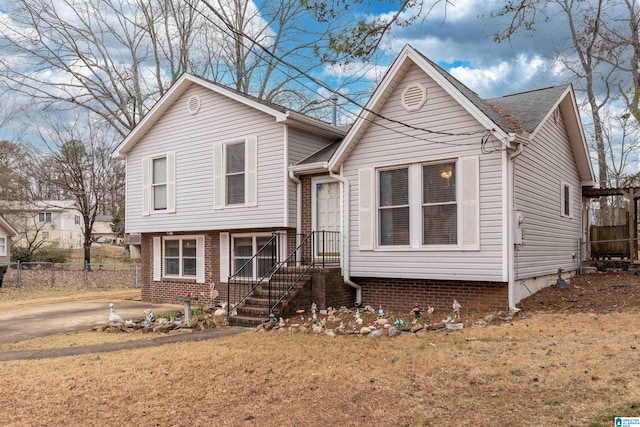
(346, 247)
(294, 178)
(520, 140)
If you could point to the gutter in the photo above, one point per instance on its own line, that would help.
(346, 247)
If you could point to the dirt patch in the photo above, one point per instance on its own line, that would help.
(591, 293)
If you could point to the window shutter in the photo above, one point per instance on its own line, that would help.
(251, 171)
(146, 186)
(171, 182)
(200, 259)
(365, 179)
(224, 257)
(218, 177)
(157, 259)
(469, 203)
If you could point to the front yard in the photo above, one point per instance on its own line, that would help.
(569, 362)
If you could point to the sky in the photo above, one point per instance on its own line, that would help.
(460, 39)
(458, 35)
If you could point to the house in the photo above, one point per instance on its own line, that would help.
(46, 222)
(433, 194)
(102, 232)
(6, 233)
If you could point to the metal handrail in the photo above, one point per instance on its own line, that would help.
(236, 276)
(318, 248)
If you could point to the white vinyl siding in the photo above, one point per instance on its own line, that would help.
(479, 252)
(542, 172)
(192, 138)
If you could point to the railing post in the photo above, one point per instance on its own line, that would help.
(19, 274)
(324, 238)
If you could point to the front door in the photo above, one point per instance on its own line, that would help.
(327, 218)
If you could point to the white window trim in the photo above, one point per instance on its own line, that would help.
(410, 196)
(199, 259)
(250, 173)
(3, 247)
(563, 185)
(147, 184)
(415, 210)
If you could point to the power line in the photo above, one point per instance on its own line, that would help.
(240, 35)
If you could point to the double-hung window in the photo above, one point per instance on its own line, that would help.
(3, 246)
(44, 217)
(235, 173)
(243, 251)
(158, 184)
(393, 210)
(235, 164)
(439, 206)
(428, 205)
(180, 257)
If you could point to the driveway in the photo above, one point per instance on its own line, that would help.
(29, 322)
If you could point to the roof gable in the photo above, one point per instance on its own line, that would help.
(469, 100)
(504, 116)
(4, 224)
(279, 113)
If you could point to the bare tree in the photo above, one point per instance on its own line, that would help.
(108, 57)
(79, 162)
(13, 172)
(602, 57)
(621, 141)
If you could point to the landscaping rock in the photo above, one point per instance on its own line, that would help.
(375, 333)
(393, 331)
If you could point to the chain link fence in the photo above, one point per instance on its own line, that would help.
(70, 276)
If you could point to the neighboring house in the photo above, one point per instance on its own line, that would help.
(437, 194)
(102, 232)
(51, 222)
(6, 233)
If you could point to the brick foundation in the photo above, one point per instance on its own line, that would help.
(401, 294)
(329, 290)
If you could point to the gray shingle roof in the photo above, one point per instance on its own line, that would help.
(529, 108)
(323, 155)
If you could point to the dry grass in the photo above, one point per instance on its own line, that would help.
(17, 297)
(545, 369)
(74, 339)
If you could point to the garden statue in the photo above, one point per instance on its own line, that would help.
(456, 309)
(380, 312)
(416, 312)
(314, 311)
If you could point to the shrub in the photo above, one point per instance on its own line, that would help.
(52, 254)
(21, 254)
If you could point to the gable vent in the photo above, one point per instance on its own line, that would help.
(193, 105)
(414, 97)
(556, 115)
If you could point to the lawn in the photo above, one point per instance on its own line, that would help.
(542, 369)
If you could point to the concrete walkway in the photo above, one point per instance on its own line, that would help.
(24, 323)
